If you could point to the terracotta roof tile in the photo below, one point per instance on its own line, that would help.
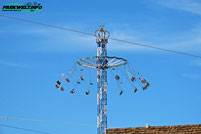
(179, 129)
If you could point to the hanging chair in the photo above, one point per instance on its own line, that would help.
(81, 78)
(146, 86)
(67, 80)
(87, 93)
(78, 82)
(57, 85)
(135, 90)
(117, 77)
(91, 83)
(143, 80)
(132, 78)
(58, 82)
(121, 92)
(62, 88)
(72, 91)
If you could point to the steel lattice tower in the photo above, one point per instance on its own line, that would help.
(101, 81)
(102, 63)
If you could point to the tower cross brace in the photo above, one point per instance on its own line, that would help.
(102, 86)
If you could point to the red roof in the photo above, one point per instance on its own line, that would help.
(179, 129)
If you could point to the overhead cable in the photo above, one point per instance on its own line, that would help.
(46, 121)
(120, 40)
(24, 129)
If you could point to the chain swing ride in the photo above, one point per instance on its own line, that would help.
(119, 68)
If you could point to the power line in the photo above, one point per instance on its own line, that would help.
(46, 121)
(34, 22)
(153, 47)
(19, 128)
(129, 42)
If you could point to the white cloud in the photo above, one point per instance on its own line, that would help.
(196, 63)
(193, 6)
(54, 40)
(188, 41)
(191, 75)
(13, 64)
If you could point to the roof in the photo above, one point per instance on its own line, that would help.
(179, 129)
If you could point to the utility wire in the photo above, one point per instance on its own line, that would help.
(129, 42)
(46, 121)
(67, 29)
(19, 128)
(153, 47)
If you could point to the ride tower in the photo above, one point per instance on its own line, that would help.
(101, 61)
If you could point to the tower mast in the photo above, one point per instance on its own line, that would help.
(102, 39)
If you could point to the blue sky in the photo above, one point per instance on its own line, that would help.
(32, 58)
